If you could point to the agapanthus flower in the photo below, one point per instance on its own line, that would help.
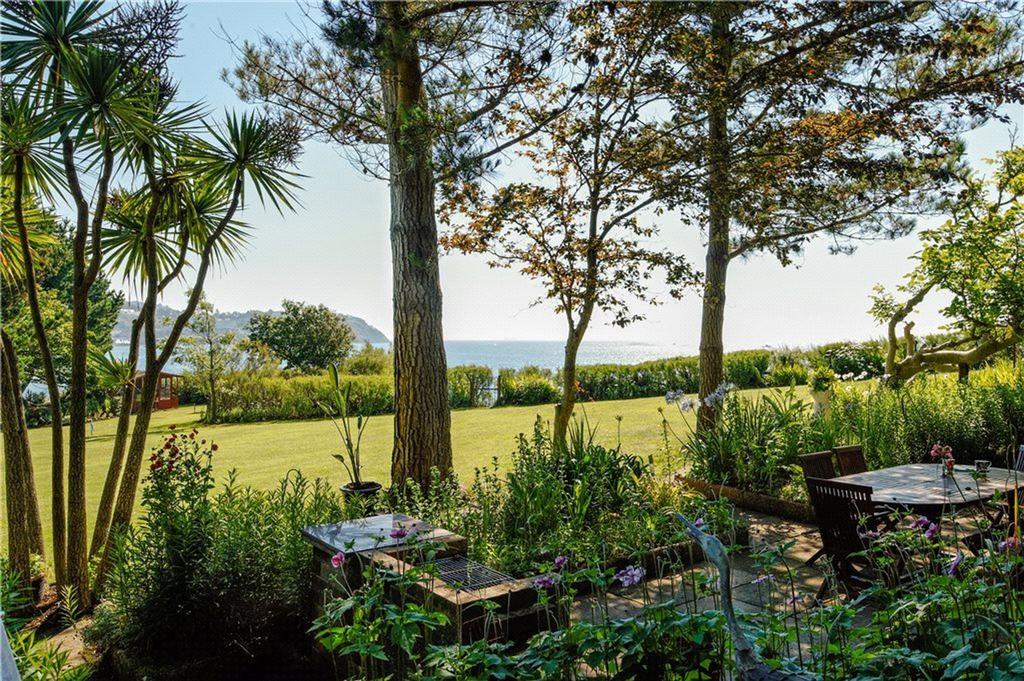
(338, 559)
(544, 582)
(561, 562)
(630, 576)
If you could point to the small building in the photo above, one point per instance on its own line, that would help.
(166, 391)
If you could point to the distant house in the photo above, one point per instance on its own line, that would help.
(166, 391)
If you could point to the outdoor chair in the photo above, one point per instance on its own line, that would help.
(818, 465)
(1019, 465)
(845, 514)
(850, 459)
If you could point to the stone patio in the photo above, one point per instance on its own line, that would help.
(758, 583)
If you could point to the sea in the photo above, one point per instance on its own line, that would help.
(542, 353)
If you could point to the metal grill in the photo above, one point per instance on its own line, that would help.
(468, 575)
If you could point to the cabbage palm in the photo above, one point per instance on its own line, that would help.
(246, 153)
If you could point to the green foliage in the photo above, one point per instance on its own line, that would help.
(822, 379)
(585, 501)
(469, 385)
(369, 361)
(981, 419)
(309, 338)
(756, 444)
(747, 368)
(207, 570)
(527, 386)
(248, 397)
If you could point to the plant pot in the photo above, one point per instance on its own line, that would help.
(365, 491)
(822, 402)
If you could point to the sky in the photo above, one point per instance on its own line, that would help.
(334, 248)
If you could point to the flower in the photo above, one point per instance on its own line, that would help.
(932, 530)
(681, 400)
(1009, 543)
(922, 521)
(338, 559)
(544, 582)
(561, 562)
(630, 576)
(954, 564)
(764, 578)
(699, 523)
(944, 452)
(399, 533)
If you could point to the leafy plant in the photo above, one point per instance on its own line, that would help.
(351, 438)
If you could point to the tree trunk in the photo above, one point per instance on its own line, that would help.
(16, 487)
(106, 508)
(712, 372)
(78, 547)
(422, 417)
(50, 376)
(563, 412)
(15, 420)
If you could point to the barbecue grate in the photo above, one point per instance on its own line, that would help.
(468, 575)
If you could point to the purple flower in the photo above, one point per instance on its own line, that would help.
(630, 576)
(699, 523)
(793, 600)
(870, 534)
(954, 564)
(1009, 543)
(920, 522)
(544, 582)
(764, 578)
(932, 530)
(338, 559)
(399, 533)
(561, 562)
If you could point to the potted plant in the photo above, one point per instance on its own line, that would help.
(351, 439)
(821, 380)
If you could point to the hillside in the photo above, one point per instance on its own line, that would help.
(230, 321)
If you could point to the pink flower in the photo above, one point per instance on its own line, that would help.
(338, 559)
(561, 562)
(399, 533)
(941, 451)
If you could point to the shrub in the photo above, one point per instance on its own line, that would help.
(208, 572)
(527, 386)
(469, 385)
(866, 360)
(786, 375)
(248, 397)
(647, 379)
(747, 368)
(369, 361)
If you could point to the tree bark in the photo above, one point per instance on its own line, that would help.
(15, 419)
(106, 508)
(563, 412)
(717, 258)
(50, 376)
(422, 417)
(15, 485)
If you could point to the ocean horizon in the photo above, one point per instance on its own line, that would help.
(517, 354)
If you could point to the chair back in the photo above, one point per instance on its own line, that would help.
(850, 459)
(839, 507)
(1019, 465)
(817, 465)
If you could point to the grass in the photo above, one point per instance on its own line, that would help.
(262, 453)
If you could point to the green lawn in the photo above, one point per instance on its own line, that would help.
(263, 452)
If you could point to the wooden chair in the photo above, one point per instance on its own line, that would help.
(818, 465)
(844, 512)
(850, 459)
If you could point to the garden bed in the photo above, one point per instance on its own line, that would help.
(752, 501)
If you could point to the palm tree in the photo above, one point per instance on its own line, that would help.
(185, 214)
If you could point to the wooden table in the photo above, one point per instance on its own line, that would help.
(919, 487)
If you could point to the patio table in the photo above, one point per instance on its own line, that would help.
(919, 487)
